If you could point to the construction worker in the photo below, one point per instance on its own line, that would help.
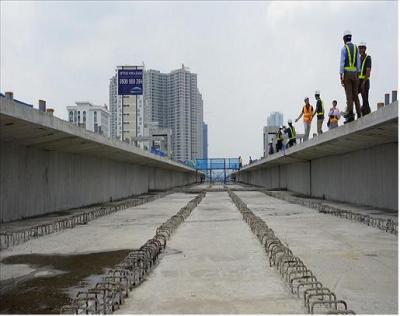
(279, 139)
(349, 70)
(291, 132)
(334, 116)
(270, 148)
(307, 113)
(319, 111)
(365, 72)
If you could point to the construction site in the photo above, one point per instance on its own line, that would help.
(92, 225)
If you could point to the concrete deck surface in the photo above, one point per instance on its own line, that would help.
(359, 263)
(49, 218)
(126, 229)
(376, 212)
(213, 265)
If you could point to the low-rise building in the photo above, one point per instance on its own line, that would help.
(92, 117)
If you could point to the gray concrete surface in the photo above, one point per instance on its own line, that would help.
(377, 128)
(17, 232)
(48, 219)
(48, 165)
(356, 163)
(333, 205)
(126, 229)
(213, 265)
(357, 262)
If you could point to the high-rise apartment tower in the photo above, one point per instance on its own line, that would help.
(275, 119)
(174, 101)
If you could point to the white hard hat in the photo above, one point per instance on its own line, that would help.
(362, 44)
(289, 121)
(317, 92)
(306, 97)
(346, 33)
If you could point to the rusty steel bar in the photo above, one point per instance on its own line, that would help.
(291, 268)
(387, 225)
(10, 239)
(108, 295)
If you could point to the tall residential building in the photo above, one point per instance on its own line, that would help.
(155, 97)
(92, 117)
(205, 141)
(275, 119)
(174, 101)
(126, 103)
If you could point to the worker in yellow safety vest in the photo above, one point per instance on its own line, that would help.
(307, 114)
(319, 111)
(349, 71)
(279, 139)
(363, 77)
(291, 132)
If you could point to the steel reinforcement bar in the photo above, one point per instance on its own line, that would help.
(15, 237)
(385, 224)
(107, 296)
(300, 279)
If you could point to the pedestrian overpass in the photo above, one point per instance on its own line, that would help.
(220, 167)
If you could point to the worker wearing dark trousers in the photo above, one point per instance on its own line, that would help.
(365, 72)
(319, 111)
(271, 148)
(349, 71)
(291, 132)
(279, 140)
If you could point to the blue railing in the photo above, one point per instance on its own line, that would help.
(217, 164)
(157, 152)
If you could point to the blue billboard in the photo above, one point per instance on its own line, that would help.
(130, 81)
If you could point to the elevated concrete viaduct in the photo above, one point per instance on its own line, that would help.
(49, 165)
(356, 163)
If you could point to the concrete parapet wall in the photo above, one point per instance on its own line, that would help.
(35, 182)
(48, 165)
(366, 177)
(356, 163)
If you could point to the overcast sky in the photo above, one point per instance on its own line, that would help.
(252, 58)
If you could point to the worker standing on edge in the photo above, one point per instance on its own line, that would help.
(334, 116)
(271, 148)
(307, 113)
(363, 77)
(349, 70)
(291, 131)
(279, 139)
(319, 111)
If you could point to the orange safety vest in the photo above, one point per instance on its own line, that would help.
(333, 119)
(307, 114)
